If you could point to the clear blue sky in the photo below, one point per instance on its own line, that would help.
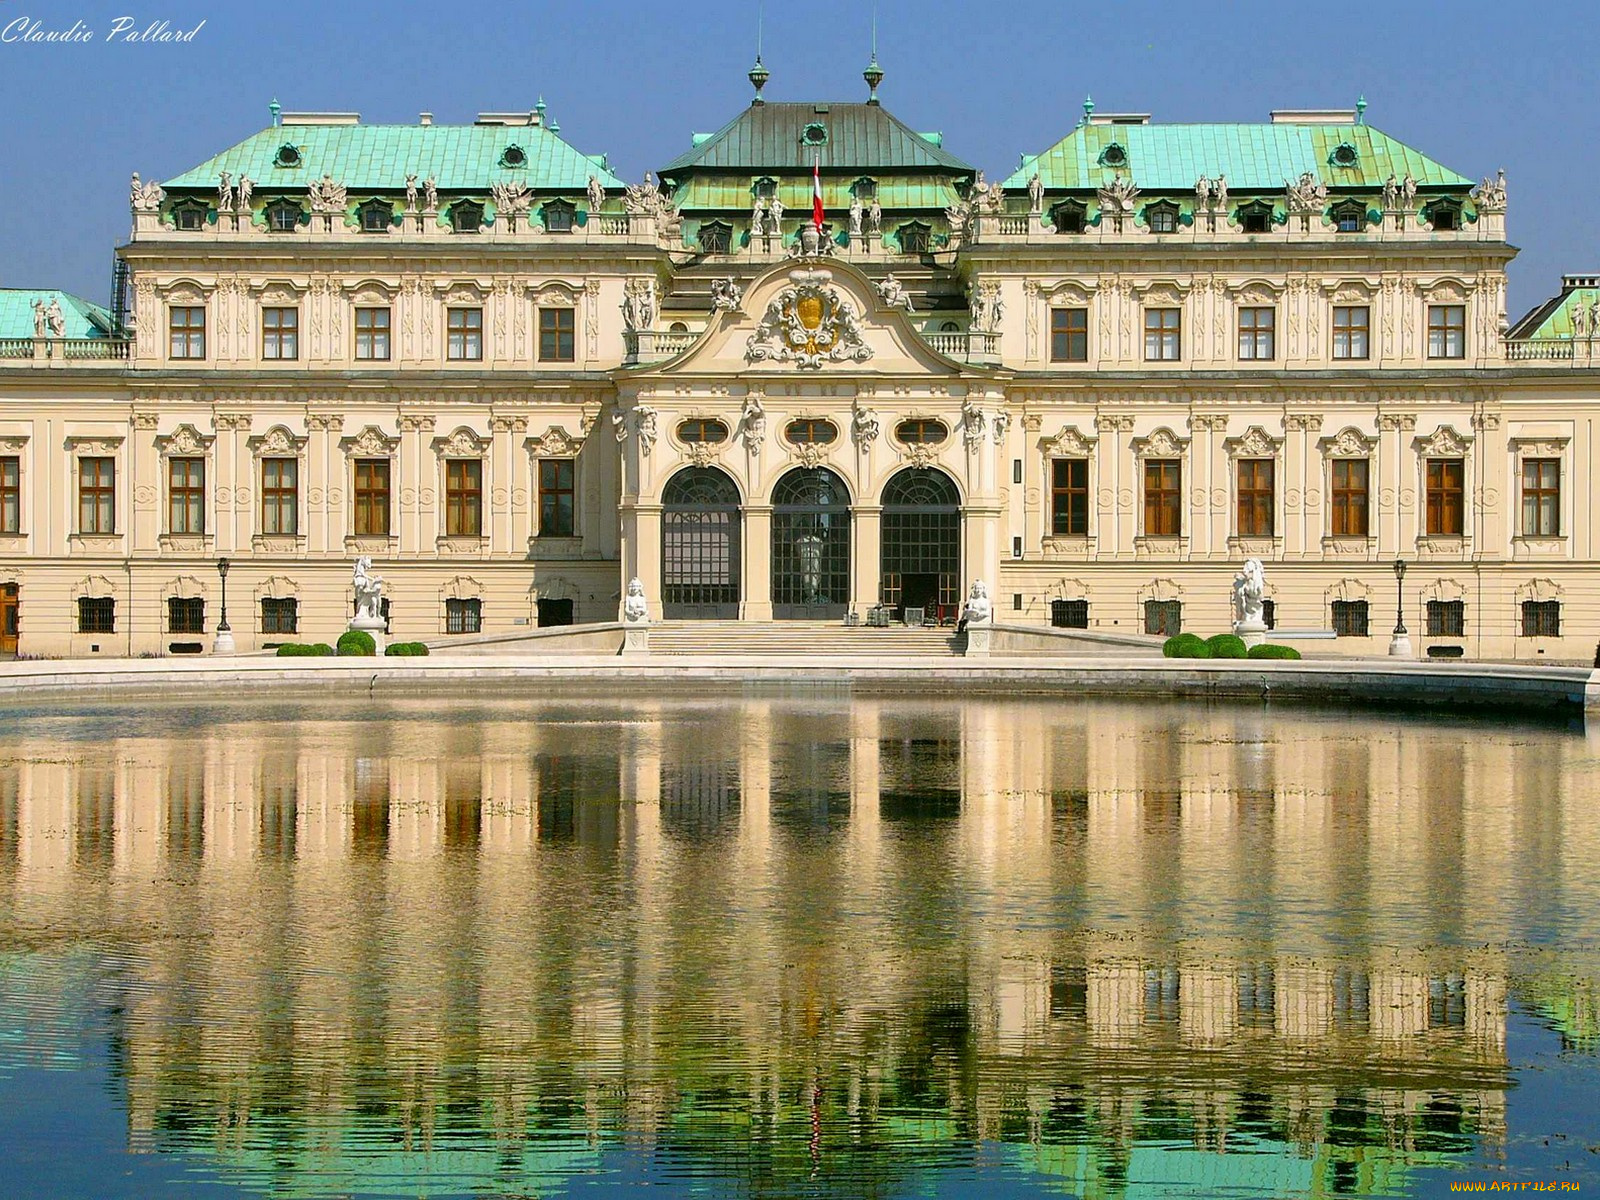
(1475, 86)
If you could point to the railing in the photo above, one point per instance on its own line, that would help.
(648, 345)
(971, 346)
(80, 348)
(951, 345)
(1540, 350)
(612, 224)
(51, 349)
(16, 347)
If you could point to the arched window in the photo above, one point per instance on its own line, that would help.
(920, 559)
(810, 545)
(700, 539)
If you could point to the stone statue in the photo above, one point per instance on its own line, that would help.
(1219, 192)
(1594, 317)
(758, 216)
(247, 189)
(1117, 197)
(1491, 193)
(775, 215)
(146, 197)
(1306, 194)
(369, 591)
(326, 195)
(726, 295)
(56, 319)
(864, 425)
(874, 217)
(511, 198)
(857, 212)
(639, 305)
(411, 192)
(430, 195)
(1035, 193)
(893, 295)
(753, 423)
(1249, 601)
(648, 428)
(224, 192)
(39, 319)
(977, 610)
(974, 423)
(1391, 193)
(1408, 190)
(644, 198)
(1580, 320)
(988, 309)
(1202, 193)
(597, 198)
(635, 610)
(619, 425)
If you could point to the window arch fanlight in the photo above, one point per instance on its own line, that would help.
(864, 188)
(1069, 216)
(950, 327)
(1350, 216)
(811, 487)
(677, 327)
(702, 429)
(284, 216)
(466, 216)
(700, 487)
(913, 237)
(811, 431)
(921, 487)
(921, 431)
(764, 188)
(716, 237)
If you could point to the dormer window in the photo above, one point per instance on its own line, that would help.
(1256, 217)
(1069, 216)
(814, 134)
(559, 216)
(764, 189)
(1350, 217)
(1344, 155)
(864, 189)
(716, 237)
(283, 216)
(189, 215)
(514, 157)
(914, 237)
(1162, 217)
(1444, 215)
(287, 156)
(1114, 156)
(466, 216)
(376, 216)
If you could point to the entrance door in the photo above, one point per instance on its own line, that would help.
(700, 546)
(921, 558)
(554, 612)
(810, 546)
(8, 618)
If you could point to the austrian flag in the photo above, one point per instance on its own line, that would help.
(816, 193)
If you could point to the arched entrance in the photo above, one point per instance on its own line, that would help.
(921, 557)
(700, 546)
(810, 545)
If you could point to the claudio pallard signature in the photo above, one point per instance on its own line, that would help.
(130, 30)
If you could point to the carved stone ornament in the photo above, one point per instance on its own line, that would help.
(1163, 443)
(921, 454)
(1254, 444)
(1447, 291)
(864, 424)
(1069, 443)
(703, 454)
(1445, 443)
(556, 443)
(463, 443)
(811, 454)
(1347, 443)
(808, 323)
(183, 441)
(277, 442)
(371, 442)
(647, 426)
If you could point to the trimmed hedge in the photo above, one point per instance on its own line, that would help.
(357, 643)
(1186, 645)
(1270, 651)
(406, 650)
(1227, 645)
(305, 650)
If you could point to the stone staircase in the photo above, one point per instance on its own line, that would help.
(821, 640)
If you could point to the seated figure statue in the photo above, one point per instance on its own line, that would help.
(977, 610)
(635, 610)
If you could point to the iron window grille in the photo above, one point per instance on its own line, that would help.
(186, 614)
(1069, 614)
(1447, 618)
(97, 614)
(1541, 618)
(1350, 618)
(463, 616)
(280, 616)
(1163, 618)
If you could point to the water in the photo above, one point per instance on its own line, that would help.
(802, 946)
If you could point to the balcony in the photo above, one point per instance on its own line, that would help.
(56, 352)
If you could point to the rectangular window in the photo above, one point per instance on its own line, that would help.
(1350, 618)
(1351, 326)
(1541, 618)
(187, 328)
(1164, 618)
(1349, 493)
(97, 495)
(280, 495)
(97, 614)
(555, 497)
(465, 335)
(10, 495)
(1069, 335)
(186, 615)
(1446, 508)
(463, 616)
(1069, 497)
(463, 497)
(372, 497)
(1163, 497)
(280, 616)
(1447, 331)
(1069, 614)
(556, 335)
(1541, 497)
(372, 335)
(1256, 329)
(1163, 328)
(1255, 497)
(1447, 618)
(280, 333)
(186, 495)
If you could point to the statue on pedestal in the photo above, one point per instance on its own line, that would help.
(369, 593)
(635, 609)
(1249, 603)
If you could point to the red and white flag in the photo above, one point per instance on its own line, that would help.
(816, 193)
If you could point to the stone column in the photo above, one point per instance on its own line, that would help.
(755, 558)
(641, 553)
(866, 555)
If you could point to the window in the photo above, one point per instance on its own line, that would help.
(463, 616)
(186, 495)
(1069, 335)
(97, 495)
(372, 497)
(513, 157)
(10, 495)
(287, 156)
(280, 496)
(1351, 325)
(463, 497)
(1444, 216)
(280, 616)
(1162, 218)
(1445, 497)
(466, 335)
(1069, 614)
(466, 216)
(283, 216)
(559, 216)
(1350, 218)
(920, 432)
(808, 431)
(1256, 218)
(377, 216)
(1541, 618)
(716, 237)
(1162, 329)
(557, 340)
(702, 429)
(913, 238)
(1069, 497)
(372, 334)
(189, 217)
(1349, 493)
(1269, 613)
(1255, 497)
(1350, 618)
(1069, 217)
(280, 333)
(1447, 331)
(1447, 618)
(1114, 156)
(1256, 329)
(556, 497)
(187, 325)
(1541, 497)
(1164, 618)
(1163, 497)
(97, 614)
(186, 615)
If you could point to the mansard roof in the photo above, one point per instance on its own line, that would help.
(377, 158)
(83, 319)
(1553, 318)
(1260, 157)
(767, 137)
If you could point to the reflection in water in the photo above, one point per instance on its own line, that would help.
(786, 946)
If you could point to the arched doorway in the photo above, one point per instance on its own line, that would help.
(700, 546)
(921, 556)
(810, 545)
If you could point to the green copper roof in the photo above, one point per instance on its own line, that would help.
(1169, 158)
(1553, 318)
(83, 320)
(370, 158)
(855, 137)
(735, 194)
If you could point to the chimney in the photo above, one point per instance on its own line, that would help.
(426, 119)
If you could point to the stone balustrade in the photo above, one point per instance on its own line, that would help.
(52, 351)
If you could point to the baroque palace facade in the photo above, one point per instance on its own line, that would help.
(516, 382)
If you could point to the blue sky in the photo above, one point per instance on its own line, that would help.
(1476, 86)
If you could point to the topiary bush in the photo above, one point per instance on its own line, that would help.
(357, 643)
(1186, 645)
(1270, 651)
(321, 650)
(1227, 645)
(407, 650)
(294, 650)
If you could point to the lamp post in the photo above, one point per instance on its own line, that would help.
(1400, 643)
(224, 642)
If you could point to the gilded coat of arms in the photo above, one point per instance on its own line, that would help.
(809, 323)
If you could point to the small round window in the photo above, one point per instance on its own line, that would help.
(809, 431)
(814, 134)
(702, 429)
(1344, 155)
(921, 432)
(287, 156)
(514, 156)
(1114, 156)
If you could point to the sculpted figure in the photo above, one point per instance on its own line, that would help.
(1391, 192)
(224, 192)
(758, 216)
(874, 217)
(1249, 594)
(726, 294)
(1220, 192)
(597, 195)
(430, 194)
(1408, 190)
(1035, 193)
(891, 293)
(857, 212)
(977, 610)
(775, 215)
(56, 319)
(411, 192)
(247, 187)
(39, 318)
(146, 197)
(1580, 320)
(864, 425)
(635, 610)
(368, 589)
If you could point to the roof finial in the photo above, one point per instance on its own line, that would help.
(874, 73)
(758, 74)
(540, 108)
(276, 110)
(1088, 110)
(1361, 109)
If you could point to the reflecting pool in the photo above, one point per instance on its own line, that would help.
(793, 945)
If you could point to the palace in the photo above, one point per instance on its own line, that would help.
(477, 356)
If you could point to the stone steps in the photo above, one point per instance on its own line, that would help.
(822, 639)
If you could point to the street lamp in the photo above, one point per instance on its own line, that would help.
(224, 642)
(1400, 643)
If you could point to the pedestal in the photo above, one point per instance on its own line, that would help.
(635, 640)
(1400, 646)
(372, 625)
(224, 643)
(1251, 633)
(978, 641)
